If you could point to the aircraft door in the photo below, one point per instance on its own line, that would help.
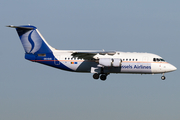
(160, 66)
(145, 58)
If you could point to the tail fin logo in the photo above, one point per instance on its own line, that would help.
(31, 41)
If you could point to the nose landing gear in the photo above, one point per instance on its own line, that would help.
(163, 77)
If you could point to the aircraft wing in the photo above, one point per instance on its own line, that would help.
(91, 54)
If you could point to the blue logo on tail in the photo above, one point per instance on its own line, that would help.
(32, 40)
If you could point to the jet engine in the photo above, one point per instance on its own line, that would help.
(110, 62)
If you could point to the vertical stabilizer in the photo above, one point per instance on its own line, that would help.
(32, 40)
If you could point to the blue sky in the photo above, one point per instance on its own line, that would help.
(33, 91)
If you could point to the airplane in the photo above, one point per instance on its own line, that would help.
(99, 62)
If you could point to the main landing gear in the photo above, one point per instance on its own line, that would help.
(102, 76)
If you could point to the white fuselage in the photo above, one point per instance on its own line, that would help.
(141, 63)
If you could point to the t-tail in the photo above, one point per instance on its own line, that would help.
(33, 42)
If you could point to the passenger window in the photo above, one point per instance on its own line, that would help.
(129, 59)
(126, 59)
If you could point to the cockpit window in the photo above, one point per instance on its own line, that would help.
(154, 59)
(162, 59)
(158, 60)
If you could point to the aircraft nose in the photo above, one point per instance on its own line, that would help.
(172, 68)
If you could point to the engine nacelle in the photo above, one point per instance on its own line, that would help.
(116, 62)
(110, 62)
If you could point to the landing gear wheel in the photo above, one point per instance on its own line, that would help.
(163, 77)
(103, 77)
(96, 76)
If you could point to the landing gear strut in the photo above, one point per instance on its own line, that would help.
(101, 74)
(163, 77)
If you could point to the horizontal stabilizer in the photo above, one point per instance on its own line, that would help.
(24, 27)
